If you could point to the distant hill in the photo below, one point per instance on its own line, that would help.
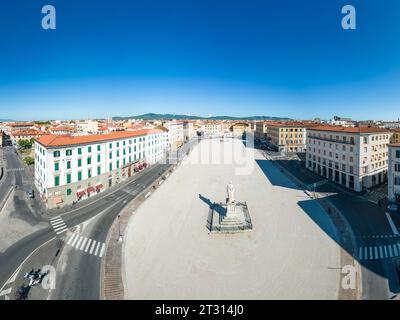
(6, 120)
(157, 116)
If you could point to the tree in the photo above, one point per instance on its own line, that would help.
(29, 161)
(26, 144)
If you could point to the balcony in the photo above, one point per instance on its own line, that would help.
(331, 140)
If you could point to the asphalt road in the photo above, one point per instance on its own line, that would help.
(81, 277)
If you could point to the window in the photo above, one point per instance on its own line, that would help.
(69, 192)
(56, 166)
(117, 144)
(110, 145)
(117, 163)
(79, 175)
(56, 181)
(89, 160)
(68, 178)
(98, 158)
(397, 153)
(98, 170)
(117, 153)
(68, 152)
(89, 149)
(110, 167)
(79, 150)
(98, 148)
(110, 155)
(79, 162)
(68, 164)
(56, 154)
(89, 173)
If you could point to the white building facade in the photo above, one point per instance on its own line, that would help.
(355, 157)
(394, 173)
(175, 134)
(73, 168)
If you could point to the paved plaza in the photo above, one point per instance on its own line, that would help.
(290, 254)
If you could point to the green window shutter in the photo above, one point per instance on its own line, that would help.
(98, 148)
(117, 163)
(56, 166)
(98, 158)
(89, 149)
(98, 171)
(79, 150)
(68, 178)
(69, 192)
(110, 167)
(110, 155)
(79, 176)
(56, 181)
(89, 173)
(68, 164)
(79, 162)
(89, 160)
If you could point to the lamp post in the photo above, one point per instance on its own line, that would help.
(119, 229)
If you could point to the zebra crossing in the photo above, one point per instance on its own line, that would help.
(58, 225)
(379, 252)
(86, 245)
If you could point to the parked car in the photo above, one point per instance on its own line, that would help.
(392, 207)
(31, 194)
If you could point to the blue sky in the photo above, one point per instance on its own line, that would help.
(240, 58)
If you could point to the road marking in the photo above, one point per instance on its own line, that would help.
(390, 251)
(376, 252)
(57, 224)
(79, 242)
(55, 218)
(97, 248)
(391, 223)
(64, 230)
(371, 255)
(360, 256)
(59, 228)
(93, 245)
(102, 250)
(366, 253)
(385, 250)
(74, 235)
(83, 243)
(396, 254)
(380, 252)
(5, 292)
(88, 245)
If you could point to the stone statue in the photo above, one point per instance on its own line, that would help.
(231, 192)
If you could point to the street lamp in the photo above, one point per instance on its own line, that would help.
(119, 229)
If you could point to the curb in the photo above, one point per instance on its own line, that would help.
(112, 271)
(3, 203)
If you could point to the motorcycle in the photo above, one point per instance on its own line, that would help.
(35, 277)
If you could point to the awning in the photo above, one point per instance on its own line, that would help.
(99, 186)
(90, 189)
(57, 200)
(80, 194)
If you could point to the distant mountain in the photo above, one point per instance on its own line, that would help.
(6, 120)
(157, 116)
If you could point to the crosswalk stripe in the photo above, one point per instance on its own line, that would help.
(75, 240)
(376, 252)
(380, 252)
(71, 238)
(55, 219)
(97, 248)
(60, 228)
(366, 253)
(62, 231)
(57, 224)
(396, 253)
(83, 243)
(102, 250)
(92, 248)
(390, 252)
(360, 253)
(385, 250)
(79, 242)
(371, 255)
(88, 245)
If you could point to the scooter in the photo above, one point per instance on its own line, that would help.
(34, 277)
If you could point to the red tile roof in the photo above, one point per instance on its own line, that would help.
(28, 133)
(67, 140)
(362, 129)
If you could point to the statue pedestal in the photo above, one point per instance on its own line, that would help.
(229, 218)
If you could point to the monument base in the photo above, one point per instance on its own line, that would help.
(219, 222)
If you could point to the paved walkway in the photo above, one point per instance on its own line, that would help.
(291, 254)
